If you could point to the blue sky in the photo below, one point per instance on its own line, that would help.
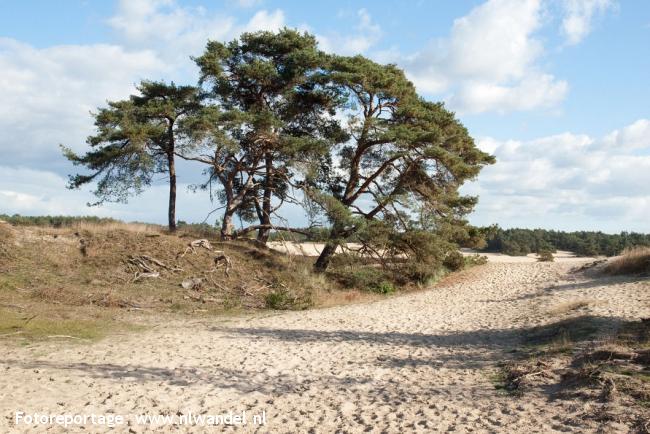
(558, 90)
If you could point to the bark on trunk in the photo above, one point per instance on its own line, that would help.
(227, 226)
(171, 213)
(264, 233)
(323, 260)
(325, 256)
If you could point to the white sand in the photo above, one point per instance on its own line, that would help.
(308, 248)
(314, 249)
(559, 256)
(415, 363)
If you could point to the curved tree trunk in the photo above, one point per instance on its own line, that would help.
(323, 260)
(325, 256)
(227, 225)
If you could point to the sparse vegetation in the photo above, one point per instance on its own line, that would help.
(545, 256)
(569, 306)
(584, 357)
(46, 324)
(90, 271)
(635, 260)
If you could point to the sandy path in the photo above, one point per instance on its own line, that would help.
(419, 362)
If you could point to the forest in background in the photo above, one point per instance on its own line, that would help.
(519, 242)
(514, 241)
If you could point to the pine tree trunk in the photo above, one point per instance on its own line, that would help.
(227, 225)
(171, 214)
(325, 256)
(264, 233)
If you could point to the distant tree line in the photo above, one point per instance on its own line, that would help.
(273, 120)
(54, 221)
(519, 242)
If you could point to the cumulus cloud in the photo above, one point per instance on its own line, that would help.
(176, 32)
(366, 34)
(47, 93)
(490, 61)
(568, 180)
(634, 136)
(579, 15)
(534, 91)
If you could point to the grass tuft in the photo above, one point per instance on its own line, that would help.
(634, 260)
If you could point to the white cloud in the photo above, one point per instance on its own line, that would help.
(579, 14)
(265, 20)
(366, 34)
(634, 136)
(47, 93)
(176, 32)
(494, 41)
(568, 181)
(534, 91)
(490, 61)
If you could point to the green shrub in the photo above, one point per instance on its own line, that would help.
(416, 272)
(368, 279)
(277, 299)
(285, 299)
(363, 278)
(477, 259)
(545, 256)
(454, 261)
(384, 287)
(54, 221)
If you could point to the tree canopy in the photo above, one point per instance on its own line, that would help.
(274, 120)
(269, 115)
(406, 156)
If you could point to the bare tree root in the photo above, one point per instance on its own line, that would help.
(221, 259)
(193, 245)
(148, 267)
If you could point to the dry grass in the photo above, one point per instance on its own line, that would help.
(634, 260)
(45, 270)
(569, 306)
(138, 228)
(46, 324)
(583, 357)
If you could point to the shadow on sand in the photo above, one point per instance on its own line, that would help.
(472, 350)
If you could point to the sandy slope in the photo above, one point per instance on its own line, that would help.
(420, 362)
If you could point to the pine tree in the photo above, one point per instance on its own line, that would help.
(406, 154)
(136, 139)
(269, 116)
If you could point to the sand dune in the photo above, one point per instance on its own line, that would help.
(414, 363)
(314, 249)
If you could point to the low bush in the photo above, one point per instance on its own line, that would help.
(477, 259)
(284, 299)
(454, 261)
(545, 256)
(367, 279)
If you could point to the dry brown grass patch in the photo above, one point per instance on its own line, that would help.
(569, 306)
(607, 366)
(635, 260)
